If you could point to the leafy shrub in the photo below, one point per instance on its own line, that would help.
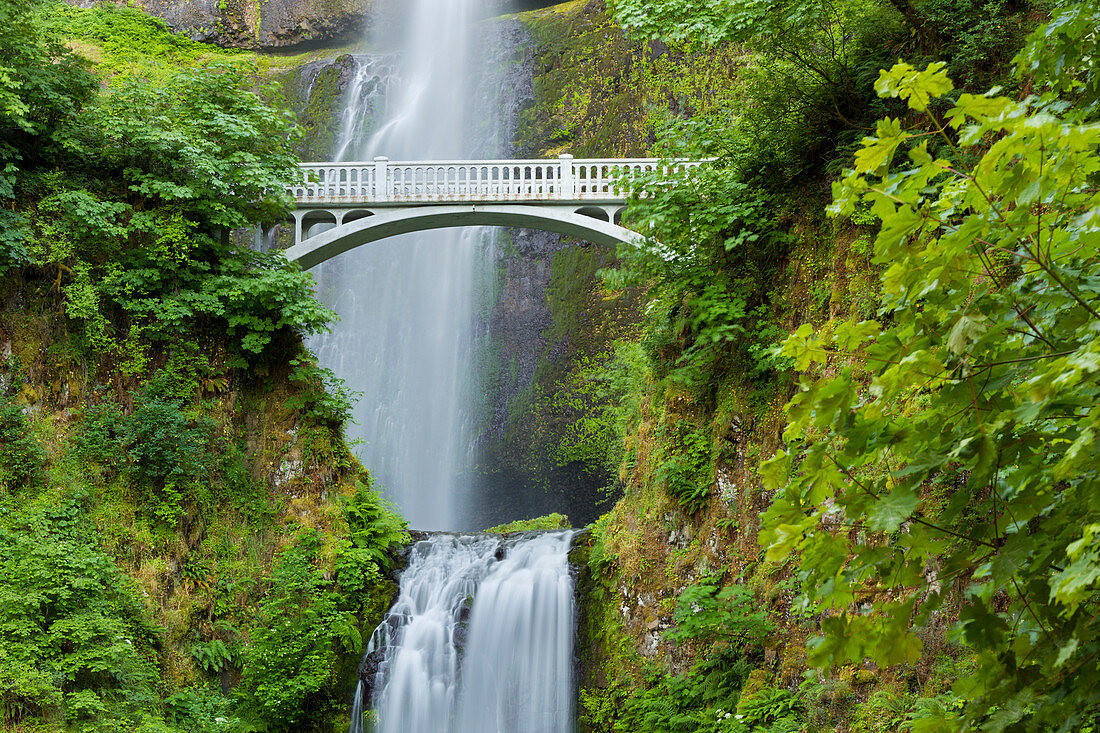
(730, 626)
(884, 710)
(978, 38)
(170, 455)
(73, 635)
(42, 88)
(984, 367)
(685, 466)
(212, 656)
(290, 662)
(21, 456)
(711, 238)
(324, 396)
(374, 529)
(772, 707)
(102, 435)
(127, 33)
(702, 701)
(829, 701)
(730, 615)
(140, 247)
(13, 240)
(199, 710)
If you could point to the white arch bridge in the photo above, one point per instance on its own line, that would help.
(365, 202)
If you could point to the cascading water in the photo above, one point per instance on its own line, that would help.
(480, 638)
(408, 305)
(502, 665)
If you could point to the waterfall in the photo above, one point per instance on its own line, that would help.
(408, 305)
(503, 664)
(480, 639)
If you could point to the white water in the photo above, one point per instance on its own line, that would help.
(408, 305)
(480, 639)
(502, 666)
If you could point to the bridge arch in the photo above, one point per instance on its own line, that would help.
(367, 229)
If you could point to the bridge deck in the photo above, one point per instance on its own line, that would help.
(387, 183)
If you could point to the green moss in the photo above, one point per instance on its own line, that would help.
(130, 41)
(549, 521)
(610, 666)
(598, 93)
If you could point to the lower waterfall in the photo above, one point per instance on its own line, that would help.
(480, 639)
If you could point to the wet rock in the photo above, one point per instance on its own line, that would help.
(368, 673)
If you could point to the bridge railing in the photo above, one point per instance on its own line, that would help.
(404, 182)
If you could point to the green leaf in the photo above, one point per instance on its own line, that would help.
(893, 508)
(918, 87)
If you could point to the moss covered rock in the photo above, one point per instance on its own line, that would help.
(261, 24)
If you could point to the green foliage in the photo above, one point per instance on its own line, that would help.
(101, 437)
(199, 710)
(1061, 55)
(202, 143)
(977, 38)
(601, 559)
(728, 615)
(212, 656)
(170, 455)
(374, 530)
(549, 521)
(22, 457)
(602, 395)
(42, 88)
(883, 711)
(774, 709)
(290, 661)
(73, 635)
(172, 460)
(130, 193)
(685, 466)
(117, 197)
(984, 367)
(807, 80)
(127, 36)
(373, 524)
(324, 396)
(730, 626)
(707, 249)
(704, 700)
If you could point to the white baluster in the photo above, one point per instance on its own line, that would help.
(381, 179)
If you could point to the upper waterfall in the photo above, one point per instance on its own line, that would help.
(409, 307)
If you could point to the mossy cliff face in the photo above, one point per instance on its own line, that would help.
(599, 93)
(315, 92)
(262, 24)
(200, 556)
(650, 548)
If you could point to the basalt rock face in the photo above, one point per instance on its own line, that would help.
(262, 24)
